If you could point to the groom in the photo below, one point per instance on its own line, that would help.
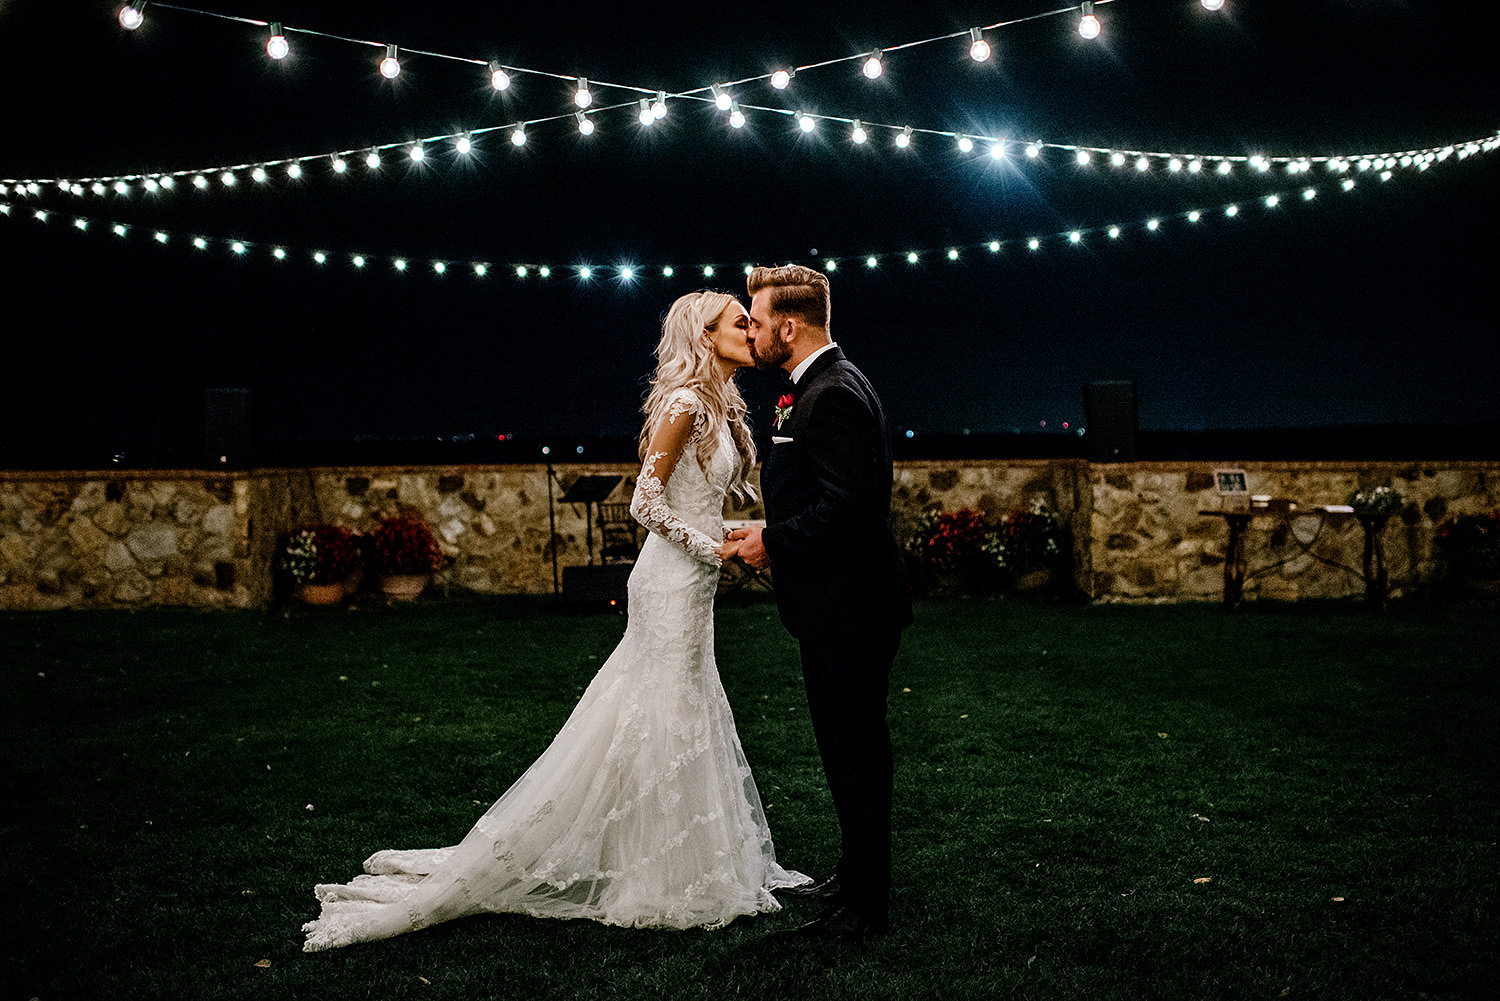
(840, 583)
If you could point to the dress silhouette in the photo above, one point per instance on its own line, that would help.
(642, 812)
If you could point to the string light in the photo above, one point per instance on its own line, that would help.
(499, 79)
(390, 66)
(646, 115)
(293, 170)
(781, 79)
(339, 164)
(965, 144)
(132, 15)
(997, 149)
(903, 139)
(1212, 4)
(979, 49)
(806, 122)
(659, 106)
(858, 133)
(372, 159)
(722, 101)
(582, 97)
(736, 116)
(518, 136)
(417, 153)
(277, 46)
(1088, 24)
(464, 144)
(585, 124)
(873, 66)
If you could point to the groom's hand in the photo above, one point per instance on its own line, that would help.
(751, 549)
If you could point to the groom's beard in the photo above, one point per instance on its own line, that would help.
(774, 353)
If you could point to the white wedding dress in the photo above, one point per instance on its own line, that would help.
(643, 811)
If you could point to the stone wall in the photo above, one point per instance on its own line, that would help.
(209, 539)
(1148, 540)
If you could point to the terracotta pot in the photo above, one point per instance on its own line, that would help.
(321, 594)
(403, 586)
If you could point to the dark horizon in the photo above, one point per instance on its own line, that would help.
(1368, 307)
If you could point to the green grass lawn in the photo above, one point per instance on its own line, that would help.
(1091, 802)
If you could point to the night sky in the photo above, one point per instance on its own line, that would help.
(1371, 306)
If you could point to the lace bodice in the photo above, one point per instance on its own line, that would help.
(675, 497)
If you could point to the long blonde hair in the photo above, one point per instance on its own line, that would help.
(684, 358)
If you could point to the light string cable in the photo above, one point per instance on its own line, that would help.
(991, 250)
(1187, 163)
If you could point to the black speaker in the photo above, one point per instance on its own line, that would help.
(226, 428)
(1109, 407)
(598, 587)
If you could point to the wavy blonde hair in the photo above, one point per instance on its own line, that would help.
(685, 359)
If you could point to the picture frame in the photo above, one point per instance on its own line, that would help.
(1233, 488)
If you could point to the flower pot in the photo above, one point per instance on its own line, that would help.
(321, 594)
(403, 586)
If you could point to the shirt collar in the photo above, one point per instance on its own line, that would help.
(801, 370)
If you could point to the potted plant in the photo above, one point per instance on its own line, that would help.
(1030, 546)
(321, 560)
(405, 554)
(1468, 547)
(957, 551)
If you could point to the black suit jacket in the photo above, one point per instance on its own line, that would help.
(828, 500)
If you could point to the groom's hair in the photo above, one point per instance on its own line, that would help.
(795, 291)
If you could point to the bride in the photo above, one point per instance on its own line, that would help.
(643, 811)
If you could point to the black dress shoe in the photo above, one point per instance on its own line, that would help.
(843, 924)
(822, 889)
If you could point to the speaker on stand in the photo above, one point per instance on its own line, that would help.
(226, 428)
(1109, 407)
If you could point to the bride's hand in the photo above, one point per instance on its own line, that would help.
(729, 550)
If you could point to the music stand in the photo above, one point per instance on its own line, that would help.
(589, 491)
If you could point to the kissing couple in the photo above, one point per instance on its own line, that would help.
(643, 811)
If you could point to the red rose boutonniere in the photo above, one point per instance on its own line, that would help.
(783, 410)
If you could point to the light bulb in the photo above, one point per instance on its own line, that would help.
(722, 101)
(390, 66)
(276, 45)
(997, 150)
(858, 133)
(518, 137)
(499, 79)
(781, 79)
(1088, 24)
(873, 66)
(659, 106)
(965, 144)
(1212, 4)
(417, 153)
(646, 116)
(871, 262)
(903, 138)
(737, 118)
(585, 124)
(131, 16)
(1033, 151)
(581, 96)
(372, 160)
(806, 122)
(339, 165)
(979, 49)
(294, 170)
(1083, 157)
(464, 144)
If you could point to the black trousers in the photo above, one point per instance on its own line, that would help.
(847, 673)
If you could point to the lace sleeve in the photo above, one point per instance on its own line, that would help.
(649, 506)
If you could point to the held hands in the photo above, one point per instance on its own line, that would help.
(748, 547)
(729, 549)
